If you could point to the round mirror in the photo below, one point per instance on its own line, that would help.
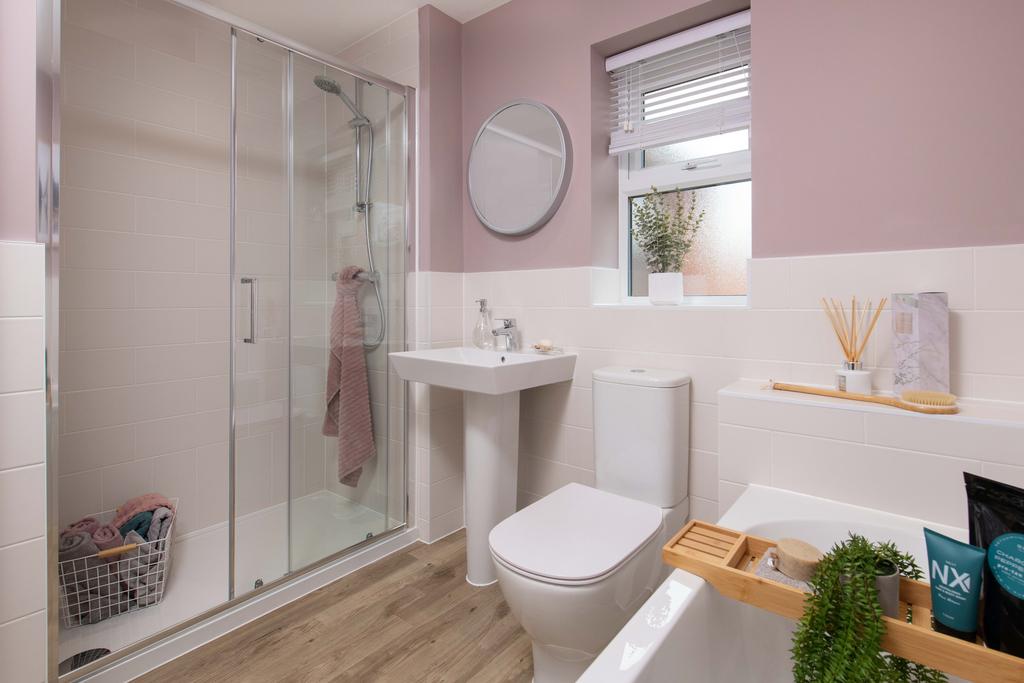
(519, 167)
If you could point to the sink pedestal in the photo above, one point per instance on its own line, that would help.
(491, 426)
(491, 382)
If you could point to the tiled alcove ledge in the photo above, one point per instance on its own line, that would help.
(875, 456)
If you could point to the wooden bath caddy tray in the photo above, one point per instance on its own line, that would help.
(727, 559)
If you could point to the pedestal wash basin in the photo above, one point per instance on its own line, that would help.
(491, 381)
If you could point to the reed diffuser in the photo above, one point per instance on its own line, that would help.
(853, 332)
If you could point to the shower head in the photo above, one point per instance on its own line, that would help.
(331, 87)
(328, 85)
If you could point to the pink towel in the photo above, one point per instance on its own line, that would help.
(107, 536)
(87, 524)
(143, 503)
(348, 390)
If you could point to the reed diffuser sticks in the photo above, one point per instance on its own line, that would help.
(853, 331)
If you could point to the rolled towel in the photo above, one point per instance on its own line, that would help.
(83, 575)
(106, 537)
(76, 545)
(161, 523)
(140, 523)
(144, 503)
(86, 524)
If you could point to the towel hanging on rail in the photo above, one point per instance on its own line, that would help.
(348, 390)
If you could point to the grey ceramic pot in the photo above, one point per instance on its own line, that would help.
(888, 586)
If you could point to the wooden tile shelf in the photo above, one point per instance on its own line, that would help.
(727, 559)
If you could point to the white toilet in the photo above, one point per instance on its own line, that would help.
(575, 565)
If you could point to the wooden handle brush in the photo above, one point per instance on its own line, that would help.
(929, 402)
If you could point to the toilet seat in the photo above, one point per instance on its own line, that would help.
(574, 536)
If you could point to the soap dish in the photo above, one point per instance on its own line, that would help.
(549, 351)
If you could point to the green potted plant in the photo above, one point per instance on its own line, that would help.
(839, 637)
(665, 226)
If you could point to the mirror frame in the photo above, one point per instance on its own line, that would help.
(563, 178)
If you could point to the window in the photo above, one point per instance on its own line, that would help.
(682, 122)
(717, 264)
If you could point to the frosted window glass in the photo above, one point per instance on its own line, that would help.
(717, 264)
(736, 141)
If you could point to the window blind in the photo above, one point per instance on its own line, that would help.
(686, 86)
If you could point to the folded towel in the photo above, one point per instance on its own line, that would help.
(161, 524)
(92, 591)
(106, 537)
(75, 545)
(143, 503)
(86, 524)
(139, 523)
(142, 570)
(348, 414)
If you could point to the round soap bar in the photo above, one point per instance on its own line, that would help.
(797, 559)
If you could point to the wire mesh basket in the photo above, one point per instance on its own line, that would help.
(115, 581)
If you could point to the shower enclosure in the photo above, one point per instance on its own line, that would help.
(215, 183)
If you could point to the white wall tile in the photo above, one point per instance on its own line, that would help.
(23, 287)
(768, 283)
(843, 276)
(21, 354)
(987, 342)
(962, 438)
(704, 474)
(81, 495)
(792, 417)
(579, 447)
(23, 648)
(22, 507)
(704, 509)
(22, 429)
(446, 524)
(1008, 474)
(999, 278)
(744, 454)
(728, 492)
(445, 496)
(23, 565)
(120, 483)
(905, 482)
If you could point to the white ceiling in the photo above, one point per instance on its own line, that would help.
(333, 25)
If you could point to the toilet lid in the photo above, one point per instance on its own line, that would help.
(575, 534)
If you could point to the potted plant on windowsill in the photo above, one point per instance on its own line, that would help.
(665, 234)
(839, 637)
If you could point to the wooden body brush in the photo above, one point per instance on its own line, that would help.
(930, 402)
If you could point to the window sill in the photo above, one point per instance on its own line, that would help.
(689, 302)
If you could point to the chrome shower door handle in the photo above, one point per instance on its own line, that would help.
(254, 296)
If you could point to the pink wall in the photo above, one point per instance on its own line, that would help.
(910, 137)
(544, 50)
(17, 120)
(903, 141)
(440, 143)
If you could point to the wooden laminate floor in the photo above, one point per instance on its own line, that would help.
(408, 617)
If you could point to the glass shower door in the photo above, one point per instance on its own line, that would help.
(344, 410)
(319, 236)
(262, 313)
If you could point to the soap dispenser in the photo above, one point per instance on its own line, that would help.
(483, 335)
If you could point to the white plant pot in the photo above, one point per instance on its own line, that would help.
(665, 289)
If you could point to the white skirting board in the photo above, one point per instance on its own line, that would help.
(200, 634)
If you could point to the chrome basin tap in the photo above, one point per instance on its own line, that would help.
(508, 331)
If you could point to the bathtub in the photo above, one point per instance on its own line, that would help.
(687, 632)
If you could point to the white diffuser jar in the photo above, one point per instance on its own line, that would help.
(665, 289)
(852, 378)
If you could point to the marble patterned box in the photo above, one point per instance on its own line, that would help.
(920, 333)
